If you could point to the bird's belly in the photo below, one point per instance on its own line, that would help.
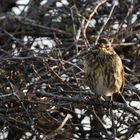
(103, 91)
(102, 86)
(104, 77)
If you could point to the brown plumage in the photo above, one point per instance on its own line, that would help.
(104, 71)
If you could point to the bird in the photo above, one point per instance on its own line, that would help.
(104, 71)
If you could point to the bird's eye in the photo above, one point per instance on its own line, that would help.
(107, 46)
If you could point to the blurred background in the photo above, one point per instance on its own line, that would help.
(43, 94)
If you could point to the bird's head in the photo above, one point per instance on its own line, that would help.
(104, 46)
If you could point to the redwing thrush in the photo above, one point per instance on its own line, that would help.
(104, 71)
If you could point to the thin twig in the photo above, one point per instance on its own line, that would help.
(92, 14)
(84, 31)
(83, 101)
(102, 28)
(68, 116)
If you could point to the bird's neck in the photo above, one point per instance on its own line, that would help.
(106, 53)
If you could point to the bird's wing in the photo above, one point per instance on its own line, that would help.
(121, 69)
(123, 80)
(119, 97)
(89, 65)
(91, 56)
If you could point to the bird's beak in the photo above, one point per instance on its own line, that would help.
(102, 46)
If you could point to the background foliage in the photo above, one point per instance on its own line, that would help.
(43, 94)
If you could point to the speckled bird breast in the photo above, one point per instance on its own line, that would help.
(104, 74)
